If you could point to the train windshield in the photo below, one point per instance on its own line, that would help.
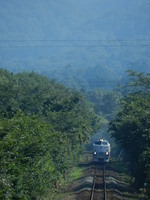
(101, 143)
(104, 143)
(98, 143)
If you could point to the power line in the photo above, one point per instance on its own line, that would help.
(73, 40)
(77, 46)
(86, 43)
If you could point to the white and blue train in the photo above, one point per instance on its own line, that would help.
(101, 151)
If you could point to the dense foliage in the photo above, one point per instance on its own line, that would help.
(132, 127)
(43, 129)
(105, 103)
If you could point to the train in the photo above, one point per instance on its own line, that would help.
(101, 151)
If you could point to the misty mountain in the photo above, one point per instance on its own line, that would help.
(75, 41)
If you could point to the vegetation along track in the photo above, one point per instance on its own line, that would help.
(90, 184)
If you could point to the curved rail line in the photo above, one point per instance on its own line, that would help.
(94, 183)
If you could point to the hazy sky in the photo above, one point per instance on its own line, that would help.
(61, 19)
(77, 32)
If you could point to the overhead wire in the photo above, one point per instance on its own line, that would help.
(82, 43)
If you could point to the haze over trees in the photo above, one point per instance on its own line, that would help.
(83, 44)
(87, 46)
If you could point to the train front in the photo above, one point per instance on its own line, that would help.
(101, 151)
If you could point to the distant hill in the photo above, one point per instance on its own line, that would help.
(75, 42)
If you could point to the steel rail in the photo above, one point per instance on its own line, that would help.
(93, 188)
(105, 197)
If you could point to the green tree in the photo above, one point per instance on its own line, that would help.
(131, 127)
(26, 162)
(43, 129)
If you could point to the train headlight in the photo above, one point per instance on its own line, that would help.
(107, 153)
(94, 152)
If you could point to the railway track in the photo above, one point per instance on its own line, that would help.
(99, 183)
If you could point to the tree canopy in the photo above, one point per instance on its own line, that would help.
(43, 129)
(131, 128)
